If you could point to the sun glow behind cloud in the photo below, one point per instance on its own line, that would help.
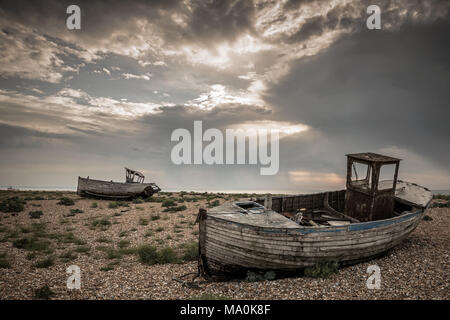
(283, 128)
(219, 96)
(221, 55)
(315, 179)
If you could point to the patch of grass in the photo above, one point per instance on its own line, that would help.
(169, 203)
(123, 243)
(149, 233)
(44, 263)
(4, 263)
(38, 229)
(441, 205)
(154, 199)
(11, 234)
(215, 203)
(44, 293)
(190, 251)
(168, 255)
(68, 256)
(117, 204)
(175, 209)
(83, 249)
(143, 221)
(69, 237)
(322, 269)
(107, 268)
(150, 255)
(155, 217)
(110, 266)
(127, 251)
(102, 248)
(260, 276)
(31, 255)
(111, 253)
(138, 200)
(32, 244)
(74, 211)
(442, 196)
(94, 205)
(64, 201)
(147, 254)
(12, 204)
(123, 234)
(103, 224)
(24, 229)
(113, 205)
(35, 214)
(103, 240)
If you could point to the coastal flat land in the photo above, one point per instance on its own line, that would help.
(135, 249)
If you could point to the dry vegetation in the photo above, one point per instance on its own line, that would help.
(134, 249)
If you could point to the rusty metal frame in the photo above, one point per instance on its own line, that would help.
(370, 204)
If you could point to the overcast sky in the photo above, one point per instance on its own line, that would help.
(89, 102)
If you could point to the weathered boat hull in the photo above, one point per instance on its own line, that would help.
(109, 189)
(232, 247)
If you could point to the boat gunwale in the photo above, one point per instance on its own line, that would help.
(114, 182)
(359, 226)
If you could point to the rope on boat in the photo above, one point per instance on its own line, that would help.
(190, 284)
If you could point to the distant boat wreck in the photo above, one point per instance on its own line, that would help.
(132, 188)
(289, 233)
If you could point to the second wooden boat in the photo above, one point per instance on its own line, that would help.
(132, 188)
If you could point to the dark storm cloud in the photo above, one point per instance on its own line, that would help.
(312, 27)
(204, 21)
(374, 90)
(352, 16)
(220, 19)
(15, 137)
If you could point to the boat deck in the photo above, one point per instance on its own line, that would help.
(254, 214)
(258, 218)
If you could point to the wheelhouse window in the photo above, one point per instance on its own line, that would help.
(386, 178)
(361, 176)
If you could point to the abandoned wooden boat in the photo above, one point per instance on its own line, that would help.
(289, 233)
(133, 187)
